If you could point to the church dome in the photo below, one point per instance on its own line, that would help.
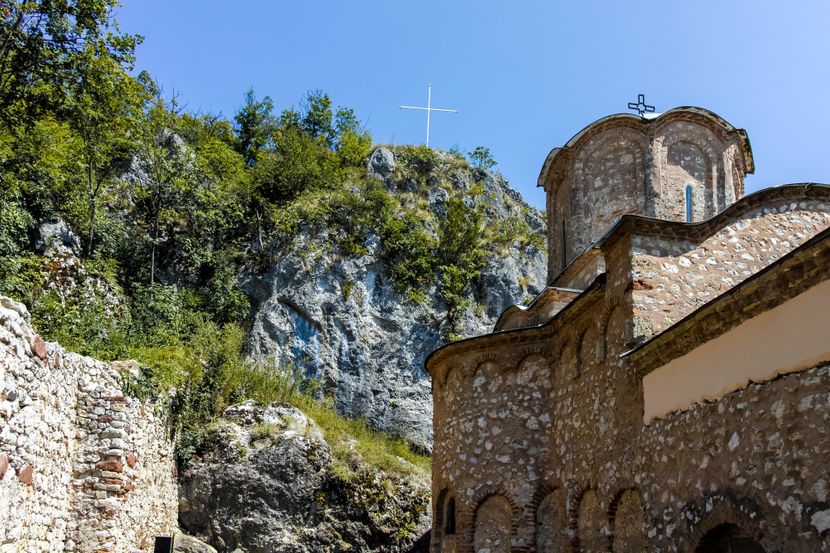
(686, 164)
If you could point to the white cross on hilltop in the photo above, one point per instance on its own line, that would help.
(429, 109)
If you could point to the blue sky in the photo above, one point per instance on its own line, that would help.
(525, 75)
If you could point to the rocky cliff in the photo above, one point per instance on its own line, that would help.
(268, 482)
(340, 319)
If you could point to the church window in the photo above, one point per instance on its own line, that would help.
(689, 205)
(449, 524)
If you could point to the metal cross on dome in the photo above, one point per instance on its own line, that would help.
(640, 105)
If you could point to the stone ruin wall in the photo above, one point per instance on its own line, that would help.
(83, 467)
(541, 446)
(673, 277)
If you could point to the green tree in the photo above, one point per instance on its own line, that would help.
(459, 255)
(255, 125)
(481, 158)
(410, 252)
(105, 107)
(318, 118)
(298, 163)
(162, 172)
(352, 143)
(45, 44)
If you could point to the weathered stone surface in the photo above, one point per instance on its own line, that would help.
(39, 347)
(57, 238)
(25, 474)
(73, 490)
(381, 163)
(267, 483)
(821, 521)
(182, 543)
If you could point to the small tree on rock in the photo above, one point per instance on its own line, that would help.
(481, 158)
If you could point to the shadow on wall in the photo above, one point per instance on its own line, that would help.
(728, 538)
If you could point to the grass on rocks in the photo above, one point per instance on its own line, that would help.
(351, 440)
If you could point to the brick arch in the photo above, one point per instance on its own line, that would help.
(454, 381)
(588, 521)
(535, 516)
(530, 351)
(589, 338)
(539, 358)
(481, 359)
(442, 375)
(709, 144)
(483, 366)
(481, 362)
(745, 514)
(566, 366)
(471, 517)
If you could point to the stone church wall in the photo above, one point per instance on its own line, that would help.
(675, 276)
(592, 478)
(758, 457)
(566, 447)
(626, 165)
(83, 467)
(499, 413)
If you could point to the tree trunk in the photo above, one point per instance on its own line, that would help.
(92, 194)
(153, 255)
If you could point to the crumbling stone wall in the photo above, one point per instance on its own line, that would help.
(82, 466)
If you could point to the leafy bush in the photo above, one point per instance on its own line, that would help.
(481, 158)
(421, 158)
(459, 255)
(409, 251)
(14, 225)
(22, 277)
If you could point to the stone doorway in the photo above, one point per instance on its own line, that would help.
(728, 538)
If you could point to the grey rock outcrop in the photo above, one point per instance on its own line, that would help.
(340, 320)
(182, 543)
(381, 163)
(267, 483)
(57, 238)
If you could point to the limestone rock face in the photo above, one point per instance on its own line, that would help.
(381, 162)
(268, 483)
(57, 238)
(340, 320)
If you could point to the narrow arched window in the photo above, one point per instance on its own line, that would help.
(689, 206)
(449, 525)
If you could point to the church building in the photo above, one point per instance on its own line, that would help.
(669, 390)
